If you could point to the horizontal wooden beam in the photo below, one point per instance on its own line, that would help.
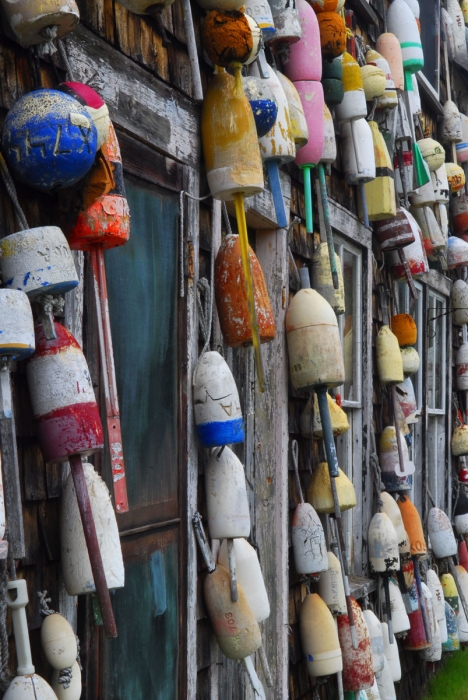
(260, 209)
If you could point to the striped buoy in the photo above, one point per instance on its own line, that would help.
(380, 192)
(461, 364)
(402, 22)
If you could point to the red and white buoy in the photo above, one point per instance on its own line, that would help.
(459, 304)
(358, 671)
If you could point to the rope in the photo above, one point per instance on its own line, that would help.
(226, 219)
(205, 316)
(52, 304)
(5, 676)
(48, 48)
(183, 194)
(360, 50)
(377, 478)
(43, 602)
(11, 189)
(62, 48)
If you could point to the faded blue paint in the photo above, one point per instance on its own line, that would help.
(44, 142)
(265, 113)
(158, 581)
(219, 433)
(35, 279)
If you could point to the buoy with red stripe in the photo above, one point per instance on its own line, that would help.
(358, 671)
(37, 23)
(217, 409)
(459, 212)
(395, 235)
(319, 638)
(95, 105)
(419, 635)
(461, 365)
(414, 255)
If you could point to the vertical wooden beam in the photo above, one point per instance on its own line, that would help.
(270, 524)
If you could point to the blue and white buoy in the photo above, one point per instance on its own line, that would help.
(262, 102)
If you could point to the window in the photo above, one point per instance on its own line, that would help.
(430, 39)
(436, 374)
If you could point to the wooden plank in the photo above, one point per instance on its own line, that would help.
(438, 281)
(260, 209)
(34, 478)
(270, 526)
(349, 225)
(139, 103)
(363, 9)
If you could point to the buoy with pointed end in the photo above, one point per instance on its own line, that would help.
(319, 638)
(402, 23)
(450, 591)
(305, 58)
(390, 508)
(358, 671)
(330, 586)
(37, 23)
(459, 304)
(382, 543)
(319, 492)
(217, 409)
(391, 654)
(226, 496)
(249, 576)
(453, 640)
(377, 644)
(58, 642)
(400, 619)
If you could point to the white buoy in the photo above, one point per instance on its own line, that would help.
(392, 655)
(407, 401)
(331, 588)
(385, 683)
(462, 620)
(382, 542)
(434, 652)
(461, 366)
(226, 496)
(411, 361)
(459, 302)
(357, 136)
(400, 619)
(308, 540)
(249, 576)
(76, 567)
(376, 637)
(438, 602)
(440, 185)
(58, 642)
(441, 534)
(37, 22)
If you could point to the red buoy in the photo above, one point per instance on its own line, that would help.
(358, 673)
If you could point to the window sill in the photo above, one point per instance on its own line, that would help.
(360, 586)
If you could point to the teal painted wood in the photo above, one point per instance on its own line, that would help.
(142, 283)
(142, 663)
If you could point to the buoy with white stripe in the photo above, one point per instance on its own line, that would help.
(319, 638)
(453, 640)
(461, 523)
(459, 304)
(391, 654)
(217, 409)
(226, 496)
(414, 254)
(249, 576)
(380, 192)
(95, 105)
(37, 23)
(358, 671)
(330, 586)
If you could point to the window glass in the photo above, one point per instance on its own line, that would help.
(436, 352)
(430, 39)
(350, 323)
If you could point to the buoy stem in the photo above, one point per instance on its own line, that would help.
(244, 245)
(17, 607)
(255, 682)
(309, 214)
(389, 609)
(89, 529)
(365, 213)
(278, 200)
(339, 682)
(203, 543)
(330, 449)
(328, 228)
(232, 570)
(461, 594)
(417, 577)
(295, 456)
(265, 667)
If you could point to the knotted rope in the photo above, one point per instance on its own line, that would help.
(48, 48)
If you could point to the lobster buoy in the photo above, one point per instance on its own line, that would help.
(262, 102)
(74, 690)
(441, 534)
(434, 241)
(16, 325)
(459, 212)
(389, 46)
(463, 473)
(230, 37)
(393, 477)
(389, 362)
(374, 81)
(94, 104)
(400, 619)
(434, 652)
(450, 592)
(462, 148)
(462, 548)
(261, 13)
(403, 153)
(358, 673)
(452, 130)
(418, 638)
(319, 492)
(105, 219)
(438, 602)
(225, 102)
(433, 153)
(58, 642)
(385, 683)
(405, 329)
(308, 541)
(457, 253)
(332, 34)
(390, 508)
(391, 654)
(388, 99)
(440, 185)
(314, 346)
(413, 525)
(231, 297)
(249, 576)
(414, 254)
(338, 418)
(395, 233)
(66, 134)
(401, 22)
(332, 74)
(411, 361)
(287, 23)
(331, 588)
(455, 176)
(382, 541)
(380, 192)
(377, 645)
(62, 396)
(353, 105)
(329, 145)
(76, 567)
(423, 196)
(234, 624)
(357, 135)
(36, 23)
(453, 641)
(217, 409)
(458, 27)
(322, 280)
(462, 575)
(407, 400)
(311, 95)
(305, 57)
(226, 496)
(319, 638)
(461, 526)
(298, 117)
(38, 261)
(460, 440)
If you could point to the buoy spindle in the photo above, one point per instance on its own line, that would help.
(89, 529)
(244, 244)
(308, 203)
(232, 570)
(328, 228)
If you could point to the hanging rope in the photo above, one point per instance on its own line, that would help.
(226, 219)
(51, 304)
(376, 471)
(360, 50)
(65, 59)
(205, 315)
(11, 189)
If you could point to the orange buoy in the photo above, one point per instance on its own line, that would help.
(405, 329)
(228, 38)
(358, 672)
(413, 525)
(332, 34)
(231, 297)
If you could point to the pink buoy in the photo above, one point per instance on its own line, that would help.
(305, 57)
(311, 94)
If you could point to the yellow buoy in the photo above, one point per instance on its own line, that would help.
(389, 362)
(319, 493)
(322, 279)
(319, 637)
(338, 417)
(380, 192)
(374, 81)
